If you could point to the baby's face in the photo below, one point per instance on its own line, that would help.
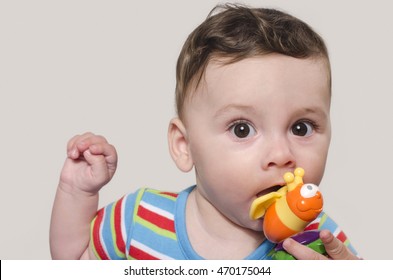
(250, 122)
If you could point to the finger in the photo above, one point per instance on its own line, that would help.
(335, 248)
(301, 252)
(72, 151)
(105, 149)
(108, 152)
(80, 143)
(85, 141)
(99, 171)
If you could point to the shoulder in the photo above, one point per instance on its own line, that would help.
(152, 204)
(120, 226)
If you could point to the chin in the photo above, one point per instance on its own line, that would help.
(256, 225)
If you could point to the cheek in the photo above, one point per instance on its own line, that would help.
(314, 172)
(222, 174)
(313, 163)
(214, 160)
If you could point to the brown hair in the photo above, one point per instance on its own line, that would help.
(237, 32)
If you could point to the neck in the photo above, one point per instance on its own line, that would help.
(214, 236)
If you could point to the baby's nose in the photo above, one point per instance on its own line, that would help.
(279, 154)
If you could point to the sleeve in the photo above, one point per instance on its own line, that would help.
(109, 228)
(323, 221)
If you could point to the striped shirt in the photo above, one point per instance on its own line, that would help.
(150, 225)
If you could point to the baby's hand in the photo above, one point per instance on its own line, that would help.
(335, 249)
(91, 163)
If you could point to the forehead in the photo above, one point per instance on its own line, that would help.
(272, 69)
(268, 76)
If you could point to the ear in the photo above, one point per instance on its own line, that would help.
(179, 146)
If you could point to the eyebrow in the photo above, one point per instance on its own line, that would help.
(250, 109)
(314, 110)
(234, 107)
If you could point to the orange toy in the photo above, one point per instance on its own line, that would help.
(289, 210)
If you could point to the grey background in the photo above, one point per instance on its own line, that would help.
(67, 67)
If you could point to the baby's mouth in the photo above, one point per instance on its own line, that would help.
(269, 190)
(262, 201)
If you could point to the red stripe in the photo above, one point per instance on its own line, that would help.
(96, 235)
(138, 254)
(312, 226)
(170, 194)
(156, 219)
(341, 236)
(117, 220)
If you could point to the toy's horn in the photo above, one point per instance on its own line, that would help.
(293, 180)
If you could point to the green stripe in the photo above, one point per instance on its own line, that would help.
(157, 192)
(155, 229)
(322, 221)
(137, 202)
(92, 245)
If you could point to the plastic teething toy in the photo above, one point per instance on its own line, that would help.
(288, 211)
(308, 238)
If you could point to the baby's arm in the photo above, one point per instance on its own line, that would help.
(91, 163)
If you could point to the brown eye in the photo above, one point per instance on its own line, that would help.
(242, 130)
(302, 128)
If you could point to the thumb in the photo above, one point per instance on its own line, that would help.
(335, 248)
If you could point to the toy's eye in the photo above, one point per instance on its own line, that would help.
(242, 129)
(302, 128)
(309, 190)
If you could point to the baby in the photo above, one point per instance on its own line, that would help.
(253, 99)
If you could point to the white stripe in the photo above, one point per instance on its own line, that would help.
(150, 251)
(101, 234)
(316, 221)
(122, 221)
(337, 232)
(157, 210)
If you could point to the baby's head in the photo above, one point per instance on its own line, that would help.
(233, 33)
(253, 100)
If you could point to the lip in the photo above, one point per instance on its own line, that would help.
(273, 188)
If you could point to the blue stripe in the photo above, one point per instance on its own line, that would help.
(159, 201)
(328, 223)
(107, 233)
(162, 244)
(128, 217)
